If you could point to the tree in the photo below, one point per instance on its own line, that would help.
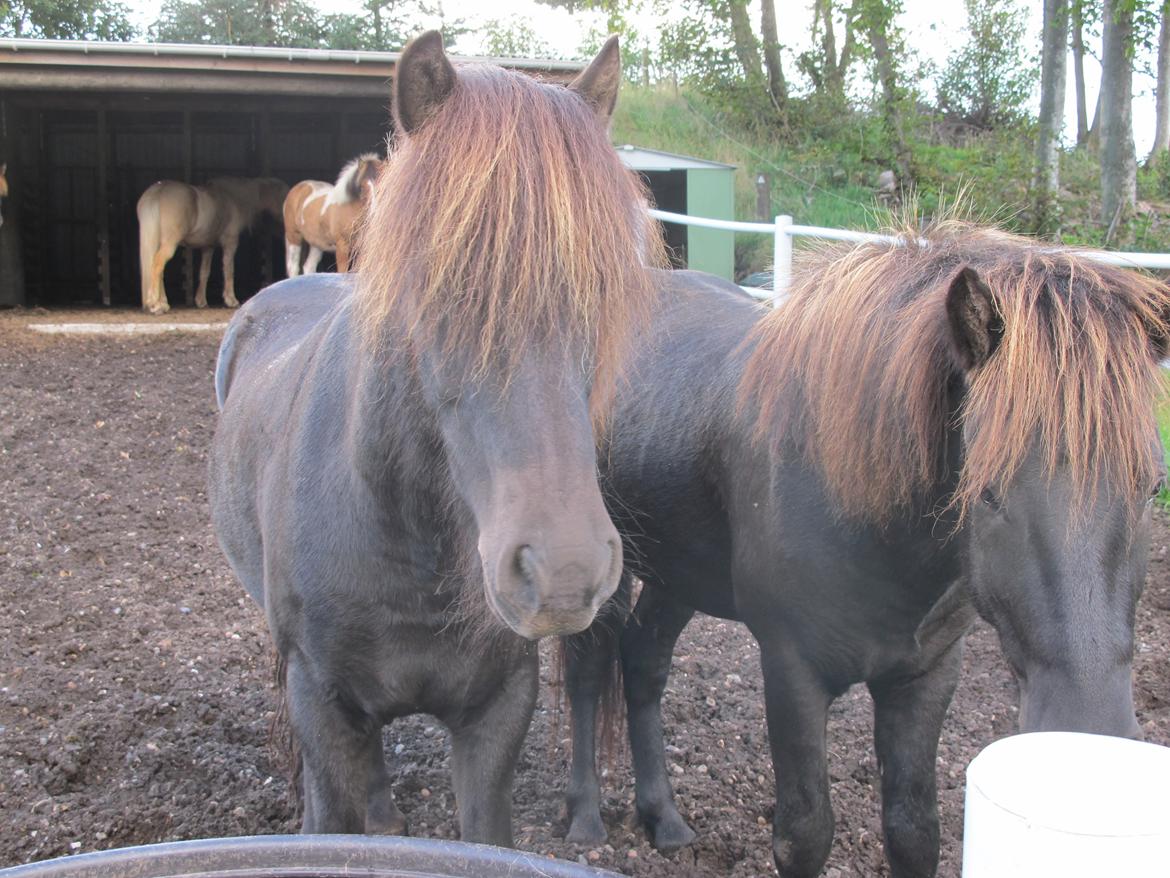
(282, 23)
(1162, 93)
(75, 20)
(988, 83)
(825, 66)
(1118, 161)
(1046, 182)
(1077, 15)
(514, 38)
(777, 85)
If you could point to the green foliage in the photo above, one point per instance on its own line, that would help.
(75, 19)
(988, 82)
(514, 38)
(238, 23)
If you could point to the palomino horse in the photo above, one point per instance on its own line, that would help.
(918, 435)
(325, 216)
(3, 187)
(404, 474)
(172, 213)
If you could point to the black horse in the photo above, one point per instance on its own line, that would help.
(920, 433)
(397, 454)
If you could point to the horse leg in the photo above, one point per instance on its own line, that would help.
(292, 259)
(315, 254)
(342, 256)
(158, 295)
(205, 256)
(908, 718)
(382, 814)
(484, 748)
(229, 272)
(335, 755)
(590, 658)
(797, 708)
(647, 644)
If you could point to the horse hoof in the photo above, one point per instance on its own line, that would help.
(669, 833)
(586, 830)
(386, 824)
(231, 303)
(200, 304)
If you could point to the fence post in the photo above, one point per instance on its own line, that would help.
(781, 260)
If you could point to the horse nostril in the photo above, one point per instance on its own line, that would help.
(528, 565)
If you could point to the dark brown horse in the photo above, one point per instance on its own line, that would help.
(919, 434)
(404, 471)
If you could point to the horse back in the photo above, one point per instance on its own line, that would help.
(273, 321)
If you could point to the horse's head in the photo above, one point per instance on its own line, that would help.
(501, 236)
(1061, 463)
(367, 176)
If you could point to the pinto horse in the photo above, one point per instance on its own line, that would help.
(172, 213)
(325, 216)
(919, 434)
(404, 473)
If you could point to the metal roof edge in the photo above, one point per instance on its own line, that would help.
(202, 50)
(674, 155)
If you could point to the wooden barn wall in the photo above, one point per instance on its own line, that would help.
(80, 248)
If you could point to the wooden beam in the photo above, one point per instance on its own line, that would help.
(103, 205)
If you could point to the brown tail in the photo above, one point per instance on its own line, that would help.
(281, 739)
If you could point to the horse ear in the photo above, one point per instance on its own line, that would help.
(598, 83)
(975, 322)
(423, 79)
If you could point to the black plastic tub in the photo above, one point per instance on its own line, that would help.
(306, 856)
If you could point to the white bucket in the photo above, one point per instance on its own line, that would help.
(1067, 804)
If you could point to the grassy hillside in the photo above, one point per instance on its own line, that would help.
(826, 172)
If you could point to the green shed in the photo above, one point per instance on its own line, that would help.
(698, 187)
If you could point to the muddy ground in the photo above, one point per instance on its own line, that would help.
(135, 677)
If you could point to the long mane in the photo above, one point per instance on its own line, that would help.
(505, 220)
(855, 369)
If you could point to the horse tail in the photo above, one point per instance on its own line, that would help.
(149, 235)
(281, 739)
(601, 642)
(225, 359)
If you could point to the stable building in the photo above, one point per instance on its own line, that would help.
(86, 127)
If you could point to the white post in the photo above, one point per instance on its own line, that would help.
(781, 260)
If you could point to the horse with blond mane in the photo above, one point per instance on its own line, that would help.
(918, 435)
(404, 473)
(171, 213)
(325, 216)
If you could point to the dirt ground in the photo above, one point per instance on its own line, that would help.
(135, 676)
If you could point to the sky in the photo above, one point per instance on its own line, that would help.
(934, 29)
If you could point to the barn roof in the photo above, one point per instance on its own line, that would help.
(53, 65)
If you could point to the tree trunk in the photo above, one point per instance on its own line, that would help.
(777, 86)
(1162, 101)
(1078, 50)
(746, 49)
(1046, 182)
(1118, 162)
(877, 28)
(835, 66)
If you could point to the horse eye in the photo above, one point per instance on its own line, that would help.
(990, 498)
